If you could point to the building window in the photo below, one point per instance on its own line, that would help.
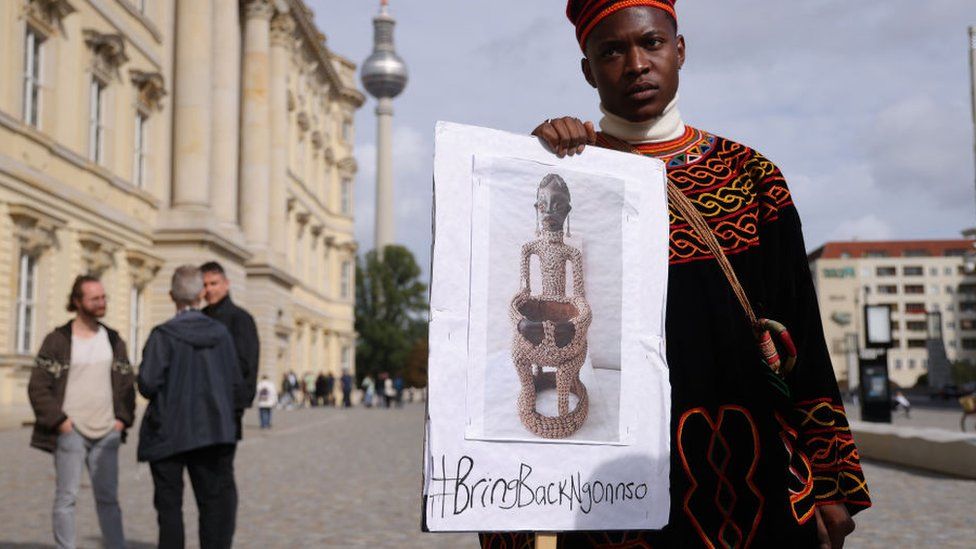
(911, 364)
(967, 324)
(895, 325)
(135, 323)
(888, 289)
(346, 359)
(956, 252)
(140, 149)
(914, 308)
(916, 343)
(886, 271)
(967, 288)
(32, 77)
(96, 128)
(345, 283)
(967, 306)
(345, 196)
(933, 271)
(26, 283)
(913, 270)
(949, 290)
(916, 325)
(947, 271)
(950, 324)
(969, 343)
(914, 289)
(898, 364)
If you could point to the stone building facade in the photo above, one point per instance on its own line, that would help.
(138, 135)
(921, 280)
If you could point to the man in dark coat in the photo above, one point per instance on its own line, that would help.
(239, 323)
(190, 376)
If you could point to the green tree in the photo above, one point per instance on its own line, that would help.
(391, 311)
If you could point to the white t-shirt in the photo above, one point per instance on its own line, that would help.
(88, 396)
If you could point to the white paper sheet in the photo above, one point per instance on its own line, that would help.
(482, 471)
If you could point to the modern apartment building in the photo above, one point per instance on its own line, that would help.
(917, 279)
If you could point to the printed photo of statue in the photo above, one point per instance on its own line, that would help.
(549, 345)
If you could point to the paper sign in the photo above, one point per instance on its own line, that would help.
(548, 400)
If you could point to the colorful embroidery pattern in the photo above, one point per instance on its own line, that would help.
(834, 458)
(800, 479)
(735, 188)
(721, 475)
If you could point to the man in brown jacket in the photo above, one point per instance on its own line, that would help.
(82, 392)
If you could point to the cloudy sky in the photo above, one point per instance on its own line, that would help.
(864, 105)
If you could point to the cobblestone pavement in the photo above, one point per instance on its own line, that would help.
(351, 478)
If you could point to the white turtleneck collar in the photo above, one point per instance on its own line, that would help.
(665, 127)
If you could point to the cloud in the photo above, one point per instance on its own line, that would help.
(863, 105)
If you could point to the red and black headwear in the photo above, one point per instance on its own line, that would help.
(587, 14)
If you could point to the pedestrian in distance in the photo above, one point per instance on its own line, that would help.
(241, 326)
(901, 401)
(267, 399)
(346, 383)
(369, 390)
(330, 389)
(321, 393)
(81, 389)
(192, 378)
(389, 391)
(398, 390)
(309, 389)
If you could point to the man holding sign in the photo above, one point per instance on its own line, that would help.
(761, 451)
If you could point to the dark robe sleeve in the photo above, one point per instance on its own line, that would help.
(819, 419)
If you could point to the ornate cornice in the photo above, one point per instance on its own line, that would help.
(282, 30)
(348, 165)
(151, 88)
(48, 14)
(98, 252)
(142, 267)
(108, 50)
(316, 42)
(303, 122)
(35, 230)
(257, 9)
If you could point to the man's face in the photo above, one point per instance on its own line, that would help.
(215, 287)
(93, 301)
(632, 58)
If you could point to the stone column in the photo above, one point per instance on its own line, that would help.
(282, 29)
(191, 104)
(226, 110)
(255, 139)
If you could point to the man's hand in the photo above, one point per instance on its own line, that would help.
(65, 426)
(119, 426)
(834, 524)
(566, 135)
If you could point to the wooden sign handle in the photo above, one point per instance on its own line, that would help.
(545, 540)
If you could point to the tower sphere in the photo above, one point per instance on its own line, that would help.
(384, 74)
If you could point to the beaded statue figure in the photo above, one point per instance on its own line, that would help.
(551, 327)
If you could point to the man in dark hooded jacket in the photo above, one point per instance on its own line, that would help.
(191, 377)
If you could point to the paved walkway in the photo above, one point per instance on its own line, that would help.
(351, 478)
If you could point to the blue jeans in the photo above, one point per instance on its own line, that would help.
(101, 456)
(265, 415)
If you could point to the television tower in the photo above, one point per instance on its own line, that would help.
(384, 76)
